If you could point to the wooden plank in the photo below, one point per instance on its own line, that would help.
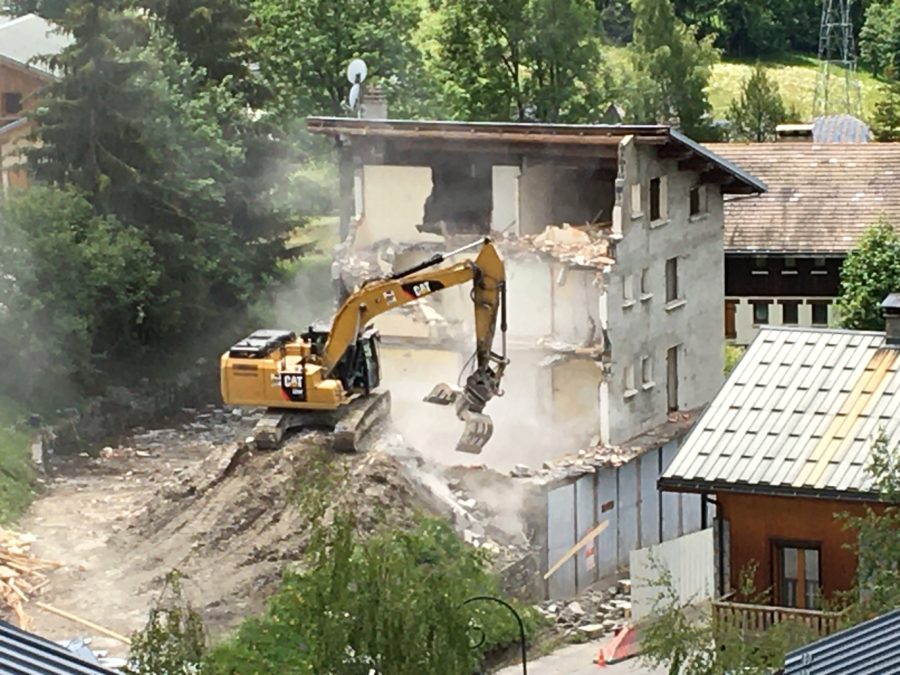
(584, 541)
(83, 622)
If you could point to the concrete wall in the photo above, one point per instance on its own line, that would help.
(505, 212)
(645, 325)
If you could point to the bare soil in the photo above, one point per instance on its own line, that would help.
(195, 500)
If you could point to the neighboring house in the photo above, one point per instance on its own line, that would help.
(784, 249)
(22, 77)
(864, 649)
(612, 318)
(24, 653)
(782, 449)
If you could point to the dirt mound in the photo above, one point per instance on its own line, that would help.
(231, 522)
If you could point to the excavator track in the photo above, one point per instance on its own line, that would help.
(350, 424)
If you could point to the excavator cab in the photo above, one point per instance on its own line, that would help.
(359, 368)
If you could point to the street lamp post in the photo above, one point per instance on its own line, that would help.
(522, 644)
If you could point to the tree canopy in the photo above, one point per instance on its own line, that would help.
(758, 110)
(870, 272)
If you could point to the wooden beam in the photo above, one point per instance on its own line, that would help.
(584, 541)
(717, 176)
(83, 622)
(675, 152)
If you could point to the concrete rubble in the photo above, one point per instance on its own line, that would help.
(592, 615)
(586, 246)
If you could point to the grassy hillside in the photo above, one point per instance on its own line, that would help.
(796, 77)
(16, 473)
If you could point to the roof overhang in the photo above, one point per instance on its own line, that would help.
(674, 484)
(26, 68)
(547, 139)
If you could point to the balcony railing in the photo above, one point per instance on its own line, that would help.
(757, 618)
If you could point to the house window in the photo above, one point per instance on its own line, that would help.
(627, 289)
(629, 382)
(819, 313)
(672, 378)
(790, 312)
(798, 576)
(12, 103)
(698, 200)
(645, 284)
(790, 265)
(819, 266)
(671, 279)
(759, 265)
(658, 199)
(636, 206)
(646, 371)
(760, 312)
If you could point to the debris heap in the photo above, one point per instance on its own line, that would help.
(581, 246)
(21, 573)
(593, 615)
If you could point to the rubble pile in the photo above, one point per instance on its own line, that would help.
(21, 573)
(594, 614)
(582, 246)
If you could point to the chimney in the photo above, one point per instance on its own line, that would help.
(794, 132)
(374, 103)
(891, 307)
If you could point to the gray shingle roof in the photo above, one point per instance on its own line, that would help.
(869, 648)
(821, 197)
(798, 415)
(23, 653)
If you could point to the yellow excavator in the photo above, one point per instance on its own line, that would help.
(328, 378)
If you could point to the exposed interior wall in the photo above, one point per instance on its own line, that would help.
(393, 203)
(645, 324)
(505, 211)
(553, 193)
(757, 521)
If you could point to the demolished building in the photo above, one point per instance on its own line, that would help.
(613, 239)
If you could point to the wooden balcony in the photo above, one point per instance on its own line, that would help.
(757, 618)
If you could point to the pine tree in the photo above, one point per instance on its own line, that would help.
(672, 69)
(886, 120)
(758, 110)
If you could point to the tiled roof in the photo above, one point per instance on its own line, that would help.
(23, 653)
(821, 197)
(867, 648)
(798, 415)
(549, 137)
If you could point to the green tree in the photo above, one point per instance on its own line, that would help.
(517, 60)
(672, 70)
(685, 639)
(391, 601)
(755, 114)
(886, 120)
(304, 47)
(878, 536)
(870, 272)
(74, 283)
(879, 37)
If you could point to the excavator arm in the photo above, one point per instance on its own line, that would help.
(487, 274)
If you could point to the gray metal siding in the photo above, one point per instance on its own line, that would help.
(608, 541)
(560, 538)
(23, 653)
(585, 521)
(869, 648)
(649, 472)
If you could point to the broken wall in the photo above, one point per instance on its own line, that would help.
(393, 201)
(552, 193)
(641, 321)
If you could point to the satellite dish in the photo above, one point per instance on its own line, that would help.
(357, 71)
(353, 98)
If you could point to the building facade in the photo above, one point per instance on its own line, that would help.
(784, 249)
(612, 237)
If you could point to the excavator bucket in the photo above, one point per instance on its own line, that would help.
(478, 431)
(442, 394)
